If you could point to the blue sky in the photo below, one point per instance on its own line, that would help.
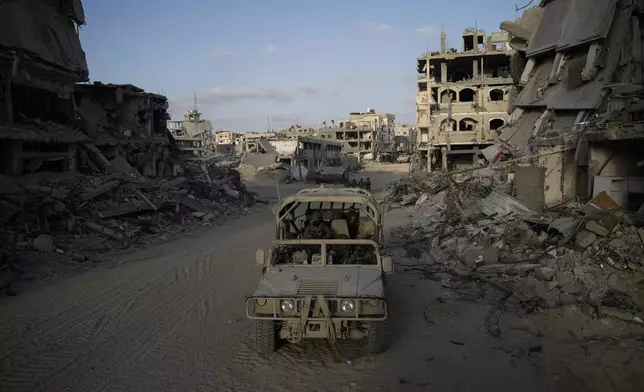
(298, 62)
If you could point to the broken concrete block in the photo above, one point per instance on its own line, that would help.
(44, 243)
(545, 273)
(482, 256)
(198, 214)
(620, 314)
(423, 198)
(640, 233)
(121, 165)
(584, 239)
(596, 228)
(618, 243)
(409, 199)
(571, 288)
(567, 299)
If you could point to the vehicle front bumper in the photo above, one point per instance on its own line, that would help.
(268, 308)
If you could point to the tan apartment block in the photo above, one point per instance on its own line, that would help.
(366, 135)
(226, 137)
(295, 131)
(462, 98)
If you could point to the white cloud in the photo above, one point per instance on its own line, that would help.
(222, 95)
(428, 30)
(226, 53)
(270, 48)
(382, 27)
(238, 95)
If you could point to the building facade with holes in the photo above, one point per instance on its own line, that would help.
(462, 99)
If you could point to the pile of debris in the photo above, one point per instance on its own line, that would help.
(279, 172)
(467, 229)
(84, 217)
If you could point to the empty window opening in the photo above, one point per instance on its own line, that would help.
(424, 135)
(448, 95)
(448, 125)
(502, 72)
(466, 95)
(496, 95)
(434, 94)
(496, 123)
(467, 124)
(435, 72)
(468, 42)
(459, 76)
(422, 86)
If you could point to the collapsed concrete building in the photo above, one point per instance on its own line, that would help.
(367, 135)
(462, 98)
(580, 108)
(302, 155)
(126, 124)
(193, 135)
(50, 120)
(41, 59)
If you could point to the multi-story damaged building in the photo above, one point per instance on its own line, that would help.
(226, 137)
(405, 139)
(368, 135)
(579, 113)
(40, 60)
(193, 136)
(124, 120)
(462, 98)
(294, 131)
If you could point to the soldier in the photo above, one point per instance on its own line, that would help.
(354, 184)
(353, 222)
(361, 183)
(368, 184)
(316, 229)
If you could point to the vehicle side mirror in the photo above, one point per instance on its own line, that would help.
(387, 265)
(259, 257)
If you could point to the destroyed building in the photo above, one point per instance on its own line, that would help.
(301, 155)
(294, 131)
(462, 98)
(125, 124)
(193, 135)
(40, 60)
(252, 141)
(579, 110)
(367, 135)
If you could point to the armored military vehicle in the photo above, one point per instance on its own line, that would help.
(324, 276)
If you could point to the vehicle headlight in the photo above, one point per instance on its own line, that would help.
(261, 301)
(287, 306)
(347, 306)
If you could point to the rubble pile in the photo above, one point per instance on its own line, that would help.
(85, 217)
(468, 232)
(277, 171)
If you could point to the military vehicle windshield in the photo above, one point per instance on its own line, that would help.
(327, 253)
(327, 220)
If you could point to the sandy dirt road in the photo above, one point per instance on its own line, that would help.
(171, 318)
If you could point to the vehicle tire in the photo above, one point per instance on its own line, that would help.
(378, 337)
(265, 336)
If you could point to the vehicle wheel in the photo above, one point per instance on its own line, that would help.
(378, 337)
(265, 336)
